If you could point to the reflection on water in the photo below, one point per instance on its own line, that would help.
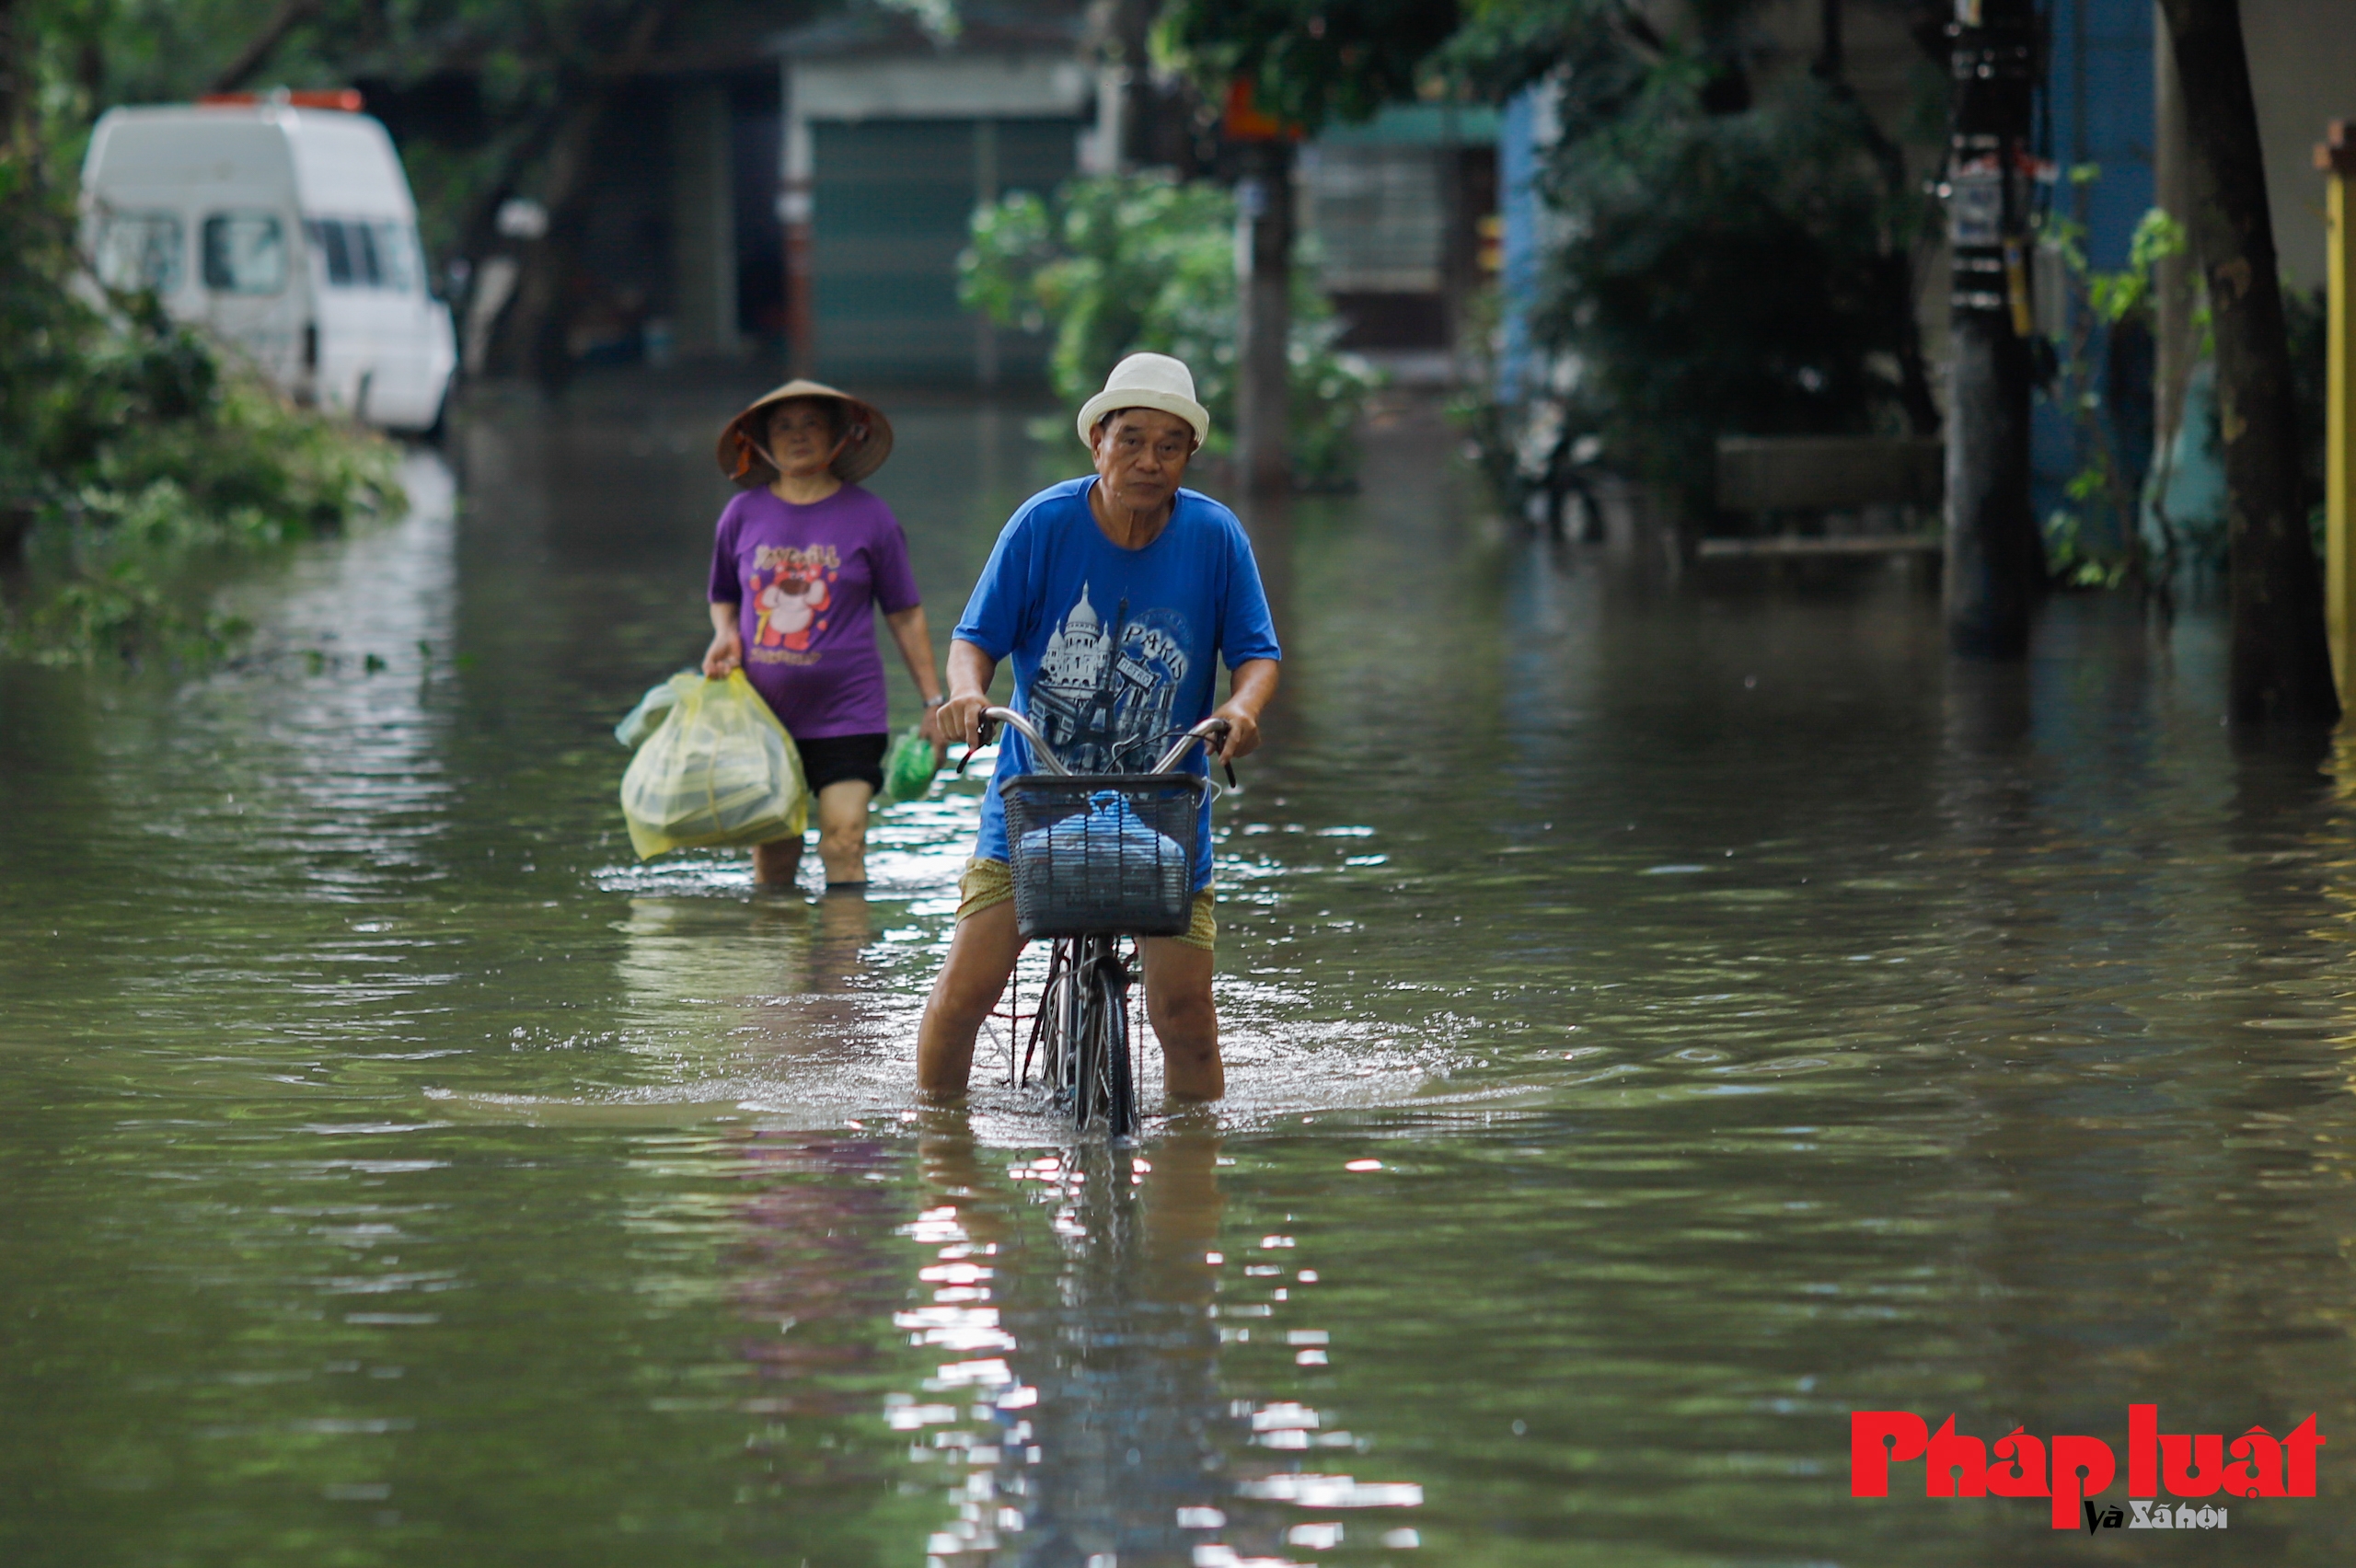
(1083, 1301)
(1660, 1025)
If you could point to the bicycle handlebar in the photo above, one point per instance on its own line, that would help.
(1203, 734)
(1008, 716)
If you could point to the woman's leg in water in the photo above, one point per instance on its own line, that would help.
(842, 830)
(842, 838)
(775, 863)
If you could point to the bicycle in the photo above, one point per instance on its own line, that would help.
(1099, 861)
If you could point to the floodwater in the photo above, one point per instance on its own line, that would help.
(1661, 1022)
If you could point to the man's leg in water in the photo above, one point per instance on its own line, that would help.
(1178, 1002)
(842, 839)
(981, 957)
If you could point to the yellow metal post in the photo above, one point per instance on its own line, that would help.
(2337, 158)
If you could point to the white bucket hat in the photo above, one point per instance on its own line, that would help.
(1149, 381)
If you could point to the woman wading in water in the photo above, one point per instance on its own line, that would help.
(800, 557)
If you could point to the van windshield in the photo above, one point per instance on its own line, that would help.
(244, 253)
(141, 250)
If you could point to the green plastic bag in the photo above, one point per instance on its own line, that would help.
(909, 767)
(718, 770)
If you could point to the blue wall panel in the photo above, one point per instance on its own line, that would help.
(2098, 108)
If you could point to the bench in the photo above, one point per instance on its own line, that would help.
(1827, 473)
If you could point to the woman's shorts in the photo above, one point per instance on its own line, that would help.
(834, 758)
(989, 883)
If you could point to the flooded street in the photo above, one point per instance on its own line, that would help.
(1659, 1022)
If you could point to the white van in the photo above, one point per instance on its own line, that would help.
(290, 232)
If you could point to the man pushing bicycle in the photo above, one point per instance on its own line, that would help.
(1115, 594)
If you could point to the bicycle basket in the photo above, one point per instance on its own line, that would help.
(1103, 854)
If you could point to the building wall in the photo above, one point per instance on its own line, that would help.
(623, 263)
(673, 245)
(2303, 71)
(892, 200)
(1390, 209)
(886, 158)
(757, 130)
(703, 220)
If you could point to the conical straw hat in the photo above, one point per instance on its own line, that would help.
(867, 436)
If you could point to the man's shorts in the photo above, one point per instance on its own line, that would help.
(988, 882)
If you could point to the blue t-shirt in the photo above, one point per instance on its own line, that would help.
(1114, 649)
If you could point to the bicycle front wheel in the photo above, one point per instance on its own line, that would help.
(1121, 1119)
(1107, 1096)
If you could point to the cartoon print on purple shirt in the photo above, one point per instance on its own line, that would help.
(788, 588)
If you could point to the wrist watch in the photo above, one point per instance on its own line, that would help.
(935, 701)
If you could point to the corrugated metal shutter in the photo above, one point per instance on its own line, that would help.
(892, 200)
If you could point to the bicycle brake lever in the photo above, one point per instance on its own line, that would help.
(981, 740)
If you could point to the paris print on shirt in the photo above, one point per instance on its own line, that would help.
(1104, 694)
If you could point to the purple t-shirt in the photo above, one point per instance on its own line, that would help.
(803, 578)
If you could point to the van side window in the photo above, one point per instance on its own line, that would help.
(364, 265)
(363, 253)
(327, 238)
(244, 253)
(396, 253)
(141, 250)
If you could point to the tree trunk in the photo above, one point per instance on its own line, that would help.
(13, 85)
(1995, 562)
(2280, 662)
(1264, 319)
(532, 335)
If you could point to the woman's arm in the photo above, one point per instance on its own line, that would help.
(727, 650)
(914, 638)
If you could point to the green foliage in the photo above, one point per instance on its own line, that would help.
(1732, 258)
(2103, 494)
(1310, 61)
(138, 520)
(137, 462)
(498, 73)
(1142, 263)
(1738, 273)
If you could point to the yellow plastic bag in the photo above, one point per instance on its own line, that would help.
(719, 770)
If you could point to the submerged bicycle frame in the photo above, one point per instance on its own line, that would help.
(1083, 1017)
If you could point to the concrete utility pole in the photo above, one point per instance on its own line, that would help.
(1995, 561)
(1264, 317)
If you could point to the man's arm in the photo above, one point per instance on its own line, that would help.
(1249, 687)
(970, 670)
